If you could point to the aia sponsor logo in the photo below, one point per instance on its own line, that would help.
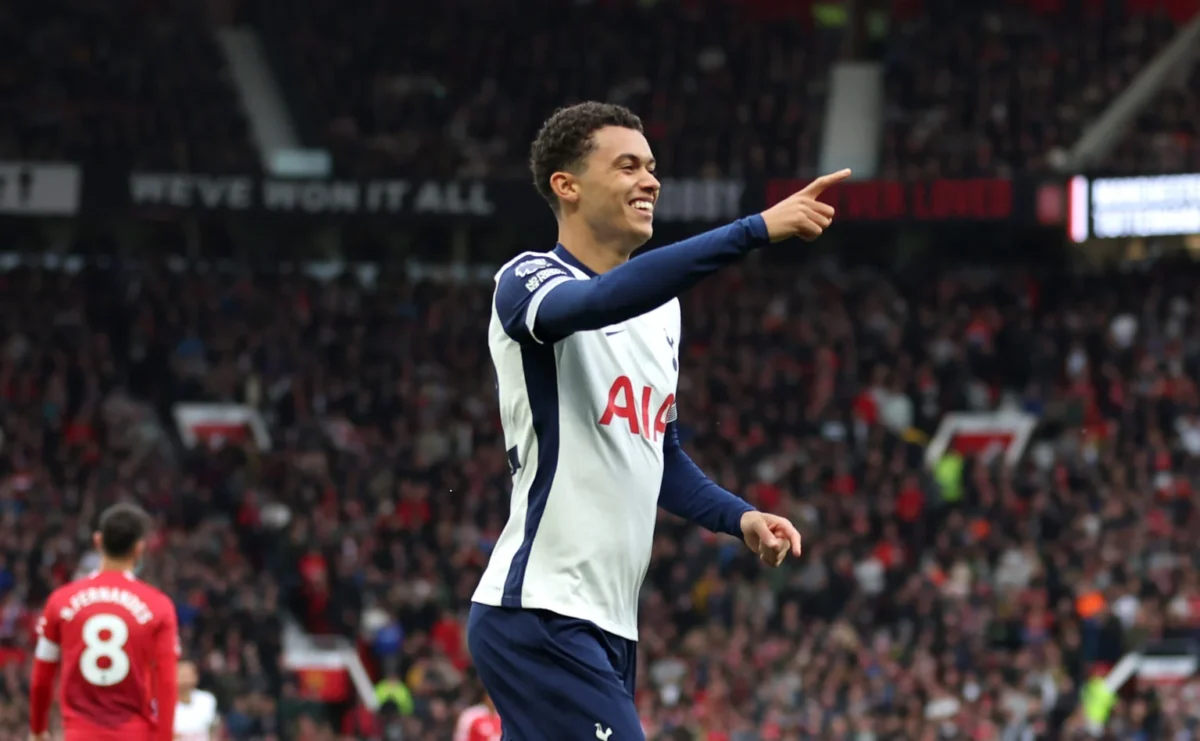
(634, 409)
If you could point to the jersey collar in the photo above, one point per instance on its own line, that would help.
(127, 574)
(562, 254)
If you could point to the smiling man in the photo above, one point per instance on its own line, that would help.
(585, 344)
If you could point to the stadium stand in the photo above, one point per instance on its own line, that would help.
(923, 604)
(984, 88)
(1166, 136)
(135, 84)
(978, 89)
(961, 601)
(994, 88)
(455, 88)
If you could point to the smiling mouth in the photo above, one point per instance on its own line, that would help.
(643, 205)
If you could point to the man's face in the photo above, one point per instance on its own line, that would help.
(187, 676)
(617, 188)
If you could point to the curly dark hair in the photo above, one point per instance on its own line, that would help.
(565, 140)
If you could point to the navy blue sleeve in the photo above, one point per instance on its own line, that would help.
(627, 291)
(520, 289)
(688, 493)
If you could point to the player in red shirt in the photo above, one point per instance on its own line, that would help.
(478, 723)
(118, 642)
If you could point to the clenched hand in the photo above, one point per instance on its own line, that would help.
(770, 536)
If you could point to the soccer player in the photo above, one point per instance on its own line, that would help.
(196, 710)
(479, 723)
(585, 344)
(118, 642)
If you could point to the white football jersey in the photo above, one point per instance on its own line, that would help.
(584, 420)
(196, 719)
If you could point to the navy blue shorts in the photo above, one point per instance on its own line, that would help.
(554, 678)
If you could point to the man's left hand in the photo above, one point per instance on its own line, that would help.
(770, 536)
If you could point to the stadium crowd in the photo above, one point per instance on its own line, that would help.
(1166, 137)
(924, 607)
(988, 88)
(722, 91)
(120, 84)
(972, 606)
(978, 89)
(999, 88)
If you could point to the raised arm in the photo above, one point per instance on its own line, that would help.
(538, 300)
(545, 303)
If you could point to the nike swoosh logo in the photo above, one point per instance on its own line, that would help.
(615, 331)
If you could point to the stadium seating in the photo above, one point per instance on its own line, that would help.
(117, 82)
(1166, 136)
(925, 607)
(995, 88)
(972, 89)
(461, 86)
(983, 88)
(904, 604)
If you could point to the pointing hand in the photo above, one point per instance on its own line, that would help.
(801, 214)
(770, 536)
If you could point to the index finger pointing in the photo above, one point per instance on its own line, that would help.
(818, 186)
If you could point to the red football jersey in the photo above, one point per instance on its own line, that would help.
(478, 723)
(486, 728)
(112, 635)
